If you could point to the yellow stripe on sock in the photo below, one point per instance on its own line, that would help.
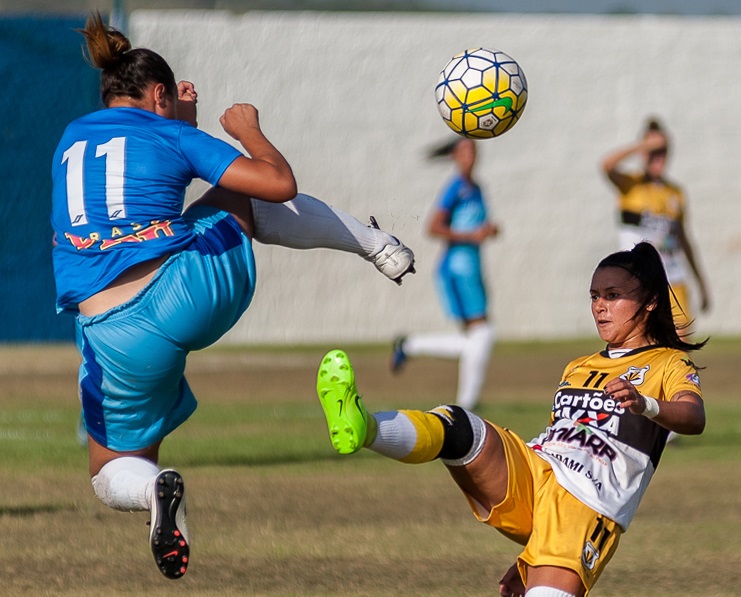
(430, 437)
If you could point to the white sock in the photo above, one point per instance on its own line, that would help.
(447, 346)
(308, 223)
(126, 483)
(547, 592)
(474, 364)
(396, 435)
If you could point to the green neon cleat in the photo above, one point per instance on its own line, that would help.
(347, 418)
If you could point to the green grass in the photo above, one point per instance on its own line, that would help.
(274, 511)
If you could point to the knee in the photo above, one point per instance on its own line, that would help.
(103, 487)
(125, 483)
(464, 434)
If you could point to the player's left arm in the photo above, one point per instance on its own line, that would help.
(511, 584)
(266, 174)
(684, 413)
(439, 227)
(689, 253)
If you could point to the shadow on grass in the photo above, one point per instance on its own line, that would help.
(257, 460)
(32, 510)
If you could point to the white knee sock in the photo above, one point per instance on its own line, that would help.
(474, 364)
(547, 592)
(126, 483)
(473, 348)
(396, 435)
(308, 223)
(446, 346)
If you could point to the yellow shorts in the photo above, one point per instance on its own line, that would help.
(555, 528)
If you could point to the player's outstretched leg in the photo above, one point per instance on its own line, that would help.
(308, 223)
(447, 432)
(347, 418)
(168, 535)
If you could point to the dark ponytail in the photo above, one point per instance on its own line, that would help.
(125, 72)
(643, 262)
(444, 149)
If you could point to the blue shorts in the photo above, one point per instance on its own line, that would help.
(460, 284)
(131, 379)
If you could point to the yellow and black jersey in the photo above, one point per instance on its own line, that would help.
(653, 211)
(602, 454)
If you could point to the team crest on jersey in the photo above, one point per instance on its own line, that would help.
(589, 556)
(692, 377)
(636, 375)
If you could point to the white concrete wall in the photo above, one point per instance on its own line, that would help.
(349, 100)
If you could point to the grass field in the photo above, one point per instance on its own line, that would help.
(273, 511)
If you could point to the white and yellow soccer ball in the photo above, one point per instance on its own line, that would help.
(481, 93)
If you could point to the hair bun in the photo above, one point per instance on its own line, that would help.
(105, 45)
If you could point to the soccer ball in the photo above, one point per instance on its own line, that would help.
(481, 93)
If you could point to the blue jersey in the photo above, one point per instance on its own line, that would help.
(464, 202)
(459, 277)
(119, 177)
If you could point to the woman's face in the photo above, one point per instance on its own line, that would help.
(616, 307)
(656, 164)
(656, 155)
(464, 155)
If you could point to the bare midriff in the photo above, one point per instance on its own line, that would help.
(123, 288)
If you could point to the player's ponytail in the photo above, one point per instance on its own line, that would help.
(105, 45)
(125, 72)
(643, 262)
(653, 125)
(444, 149)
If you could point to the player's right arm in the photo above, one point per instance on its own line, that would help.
(611, 166)
(266, 174)
(611, 163)
(186, 103)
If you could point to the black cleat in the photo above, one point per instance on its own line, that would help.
(168, 535)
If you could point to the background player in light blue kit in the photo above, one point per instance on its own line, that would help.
(150, 283)
(461, 220)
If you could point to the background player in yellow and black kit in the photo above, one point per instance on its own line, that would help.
(569, 494)
(653, 209)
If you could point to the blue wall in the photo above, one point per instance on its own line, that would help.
(45, 84)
